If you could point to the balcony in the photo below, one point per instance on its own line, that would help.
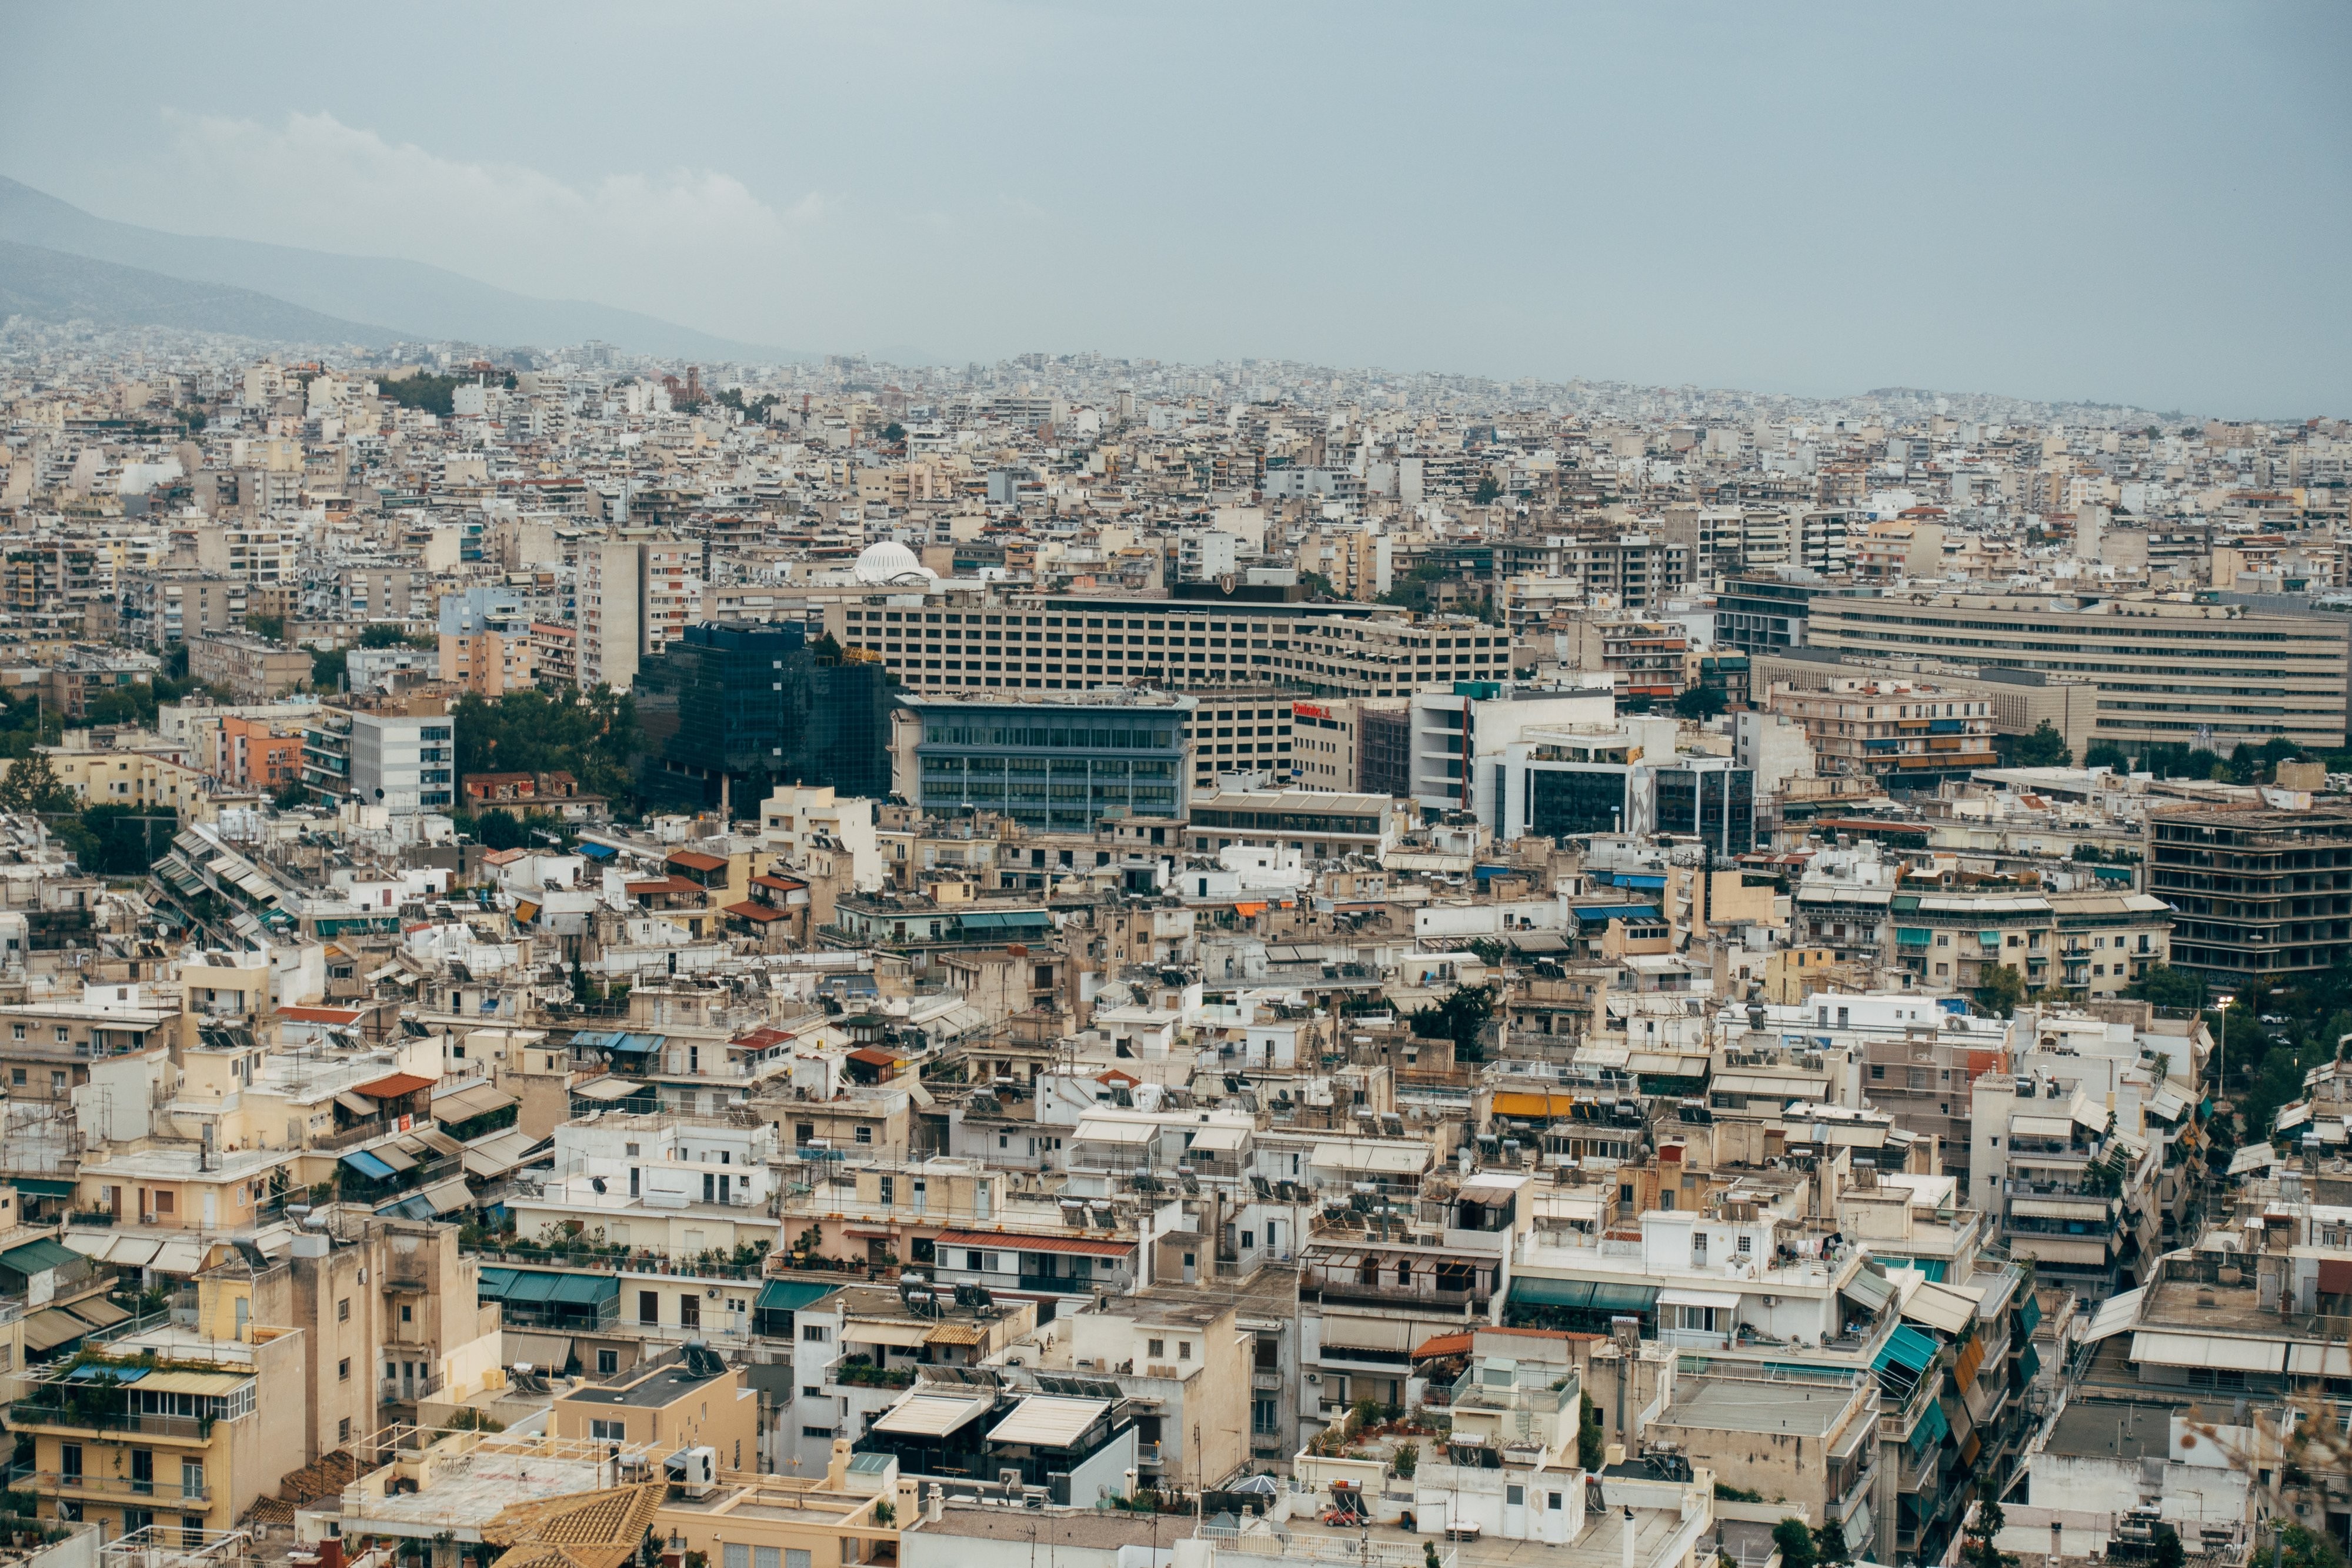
(40, 1414)
(406, 1390)
(116, 1487)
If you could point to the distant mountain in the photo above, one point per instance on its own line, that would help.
(51, 286)
(410, 299)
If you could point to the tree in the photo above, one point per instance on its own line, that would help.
(1590, 1449)
(270, 626)
(2003, 990)
(1977, 1537)
(1486, 492)
(433, 393)
(327, 668)
(118, 843)
(1317, 585)
(1461, 1016)
(894, 432)
(2166, 986)
(384, 635)
(1796, 1543)
(2169, 1552)
(499, 828)
(293, 794)
(2106, 754)
(2045, 748)
(32, 786)
(1829, 1543)
(1700, 703)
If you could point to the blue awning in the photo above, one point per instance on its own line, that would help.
(1906, 1347)
(1601, 914)
(415, 1206)
(597, 851)
(92, 1371)
(790, 1295)
(494, 1284)
(636, 1045)
(368, 1166)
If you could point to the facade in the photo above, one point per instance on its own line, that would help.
(2257, 893)
(1897, 735)
(1770, 614)
(1063, 760)
(405, 764)
(252, 669)
(1459, 737)
(735, 709)
(486, 643)
(2216, 675)
(1241, 733)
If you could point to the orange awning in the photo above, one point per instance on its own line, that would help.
(1249, 911)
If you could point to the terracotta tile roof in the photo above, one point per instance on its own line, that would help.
(758, 913)
(394, 1087)
(695, 861)
(585, 1530)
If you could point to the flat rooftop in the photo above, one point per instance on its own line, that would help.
(2113, 1428)
(467, 1491)
(1745, 1405)
(658, 1392)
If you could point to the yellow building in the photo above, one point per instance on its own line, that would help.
(163, 1426)
(135, 778)
(675, 1403)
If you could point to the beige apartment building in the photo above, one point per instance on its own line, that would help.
(2167, 670)
(252, 669)
(1903, 736)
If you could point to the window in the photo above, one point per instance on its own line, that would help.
(1155, 1348)
(648, 1307)
(343, 1307)
(814, 1333)
(17, 1077)
(865, 1134)
(609, 1431)
(607, 1362)
(805, 1432)
(1184, 1350)
(343, 1430)
(343, 1370)
(407, 1313)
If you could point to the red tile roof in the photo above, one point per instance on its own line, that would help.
(695, 861)
(394, 1087)
(760, 914)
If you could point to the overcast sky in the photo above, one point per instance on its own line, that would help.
(2135, 201)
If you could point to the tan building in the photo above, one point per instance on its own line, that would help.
(686, 1399)
(251, 669)
(1901, 735)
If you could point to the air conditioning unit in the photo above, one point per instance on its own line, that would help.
(695, 1473)
(1314, 1377)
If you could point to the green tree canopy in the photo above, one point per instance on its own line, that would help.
(1459, 1016)
(2167, 987)
(499, 828)
(1700, 703)
(2045, 748)
(2106, 754)
(591, 735)
(2002, 991)
(1796, 1543)
(32, 785)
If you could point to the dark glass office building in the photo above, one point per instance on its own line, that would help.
(754, 705)
(1715, 804)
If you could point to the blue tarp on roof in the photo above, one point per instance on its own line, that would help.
(1640, 879)
(91, 1371)
(598, 851)
(1601, 914)
(368, 1166)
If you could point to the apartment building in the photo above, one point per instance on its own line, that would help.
(1063, 760)
(1897, 735)
(2257, 891)
(405, 763)
(486, 642)
(160, 607)
(636, 598)
(2166, 669)
(251, 669)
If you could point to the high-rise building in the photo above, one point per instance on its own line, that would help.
(406, 763)
(636, 598)
(739, 708)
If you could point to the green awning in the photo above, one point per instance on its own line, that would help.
(1615, 1297)
(586, 1289)
(1989, 938)
(790, 1295)
(1911, 936)
(40, 1257)
(42, 1187)
(1906, 1347)
(1007, 920)
(1531, 1291)
(495, 1284)
(531, 1286)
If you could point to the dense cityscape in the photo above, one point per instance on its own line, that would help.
(615, 958)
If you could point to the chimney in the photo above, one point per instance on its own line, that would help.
(935, 1504)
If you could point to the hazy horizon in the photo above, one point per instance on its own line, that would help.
(2141, 205)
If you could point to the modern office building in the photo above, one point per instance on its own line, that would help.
(2256, 891)
(1459, 736)
(1062, 761)
(1624, 778)
(732, 710)
(2182, 672)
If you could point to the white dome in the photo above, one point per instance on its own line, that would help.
(891, 562)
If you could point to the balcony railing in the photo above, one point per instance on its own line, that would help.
(406, 1390)
(161, 1491)
(30, 1412)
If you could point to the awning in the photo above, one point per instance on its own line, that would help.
(1006, 919)
(133, 1251)
(1014, 1241)
(448, 1195)
(90, 1372)
(2208, 1350)
(1610, 1296)
(1871, 1289)
(1388, 1159)
(498, 1154)
(2116, 1313)
(494, 1284)
(933, 1414)
(90, 1243)
(586, 1289)
(1527, 941)
(1940, 1308)
(408, 1206)
(2042, 1126)
(39, 1257)
(46, 1330)
(543, 1352)
(218, 1385)
(368, 1166)
(357, 1105)
(1092, 1132)
(1224, 1139)
(1721, 1301)
(530, 1288)
(2319, 1361)
(465, 1104)
(393, 1155)
(180, 1257)
(1049, 1421)
(790, 1295)
(1534, 1290)
(97, 1312)
(41, 1187)
(1906, 1348)
(608, 1088)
